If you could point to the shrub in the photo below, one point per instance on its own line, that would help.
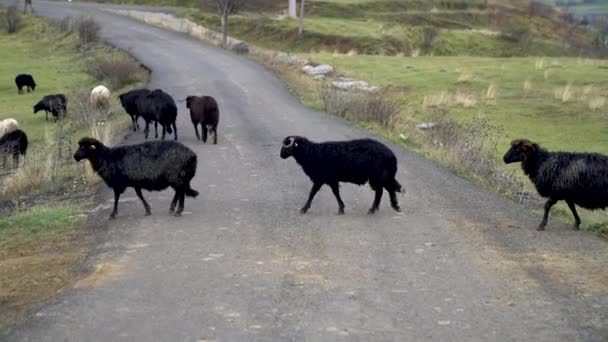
(12, 19)
(378, 107)
(469, 148)
(87, 29)
(116, 70)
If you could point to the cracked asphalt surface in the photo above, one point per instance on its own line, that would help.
(458, 264)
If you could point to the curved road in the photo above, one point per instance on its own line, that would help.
(458, 264)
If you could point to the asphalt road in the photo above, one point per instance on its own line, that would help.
(458, 264)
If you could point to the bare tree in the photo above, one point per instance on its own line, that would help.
(226, 8)
(301, 19)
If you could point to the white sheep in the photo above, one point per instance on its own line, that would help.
(7, 126)
(100, 97)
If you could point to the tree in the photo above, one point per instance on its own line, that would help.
(226, 8)
(301, 19)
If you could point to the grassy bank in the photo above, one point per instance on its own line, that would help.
(42, 203)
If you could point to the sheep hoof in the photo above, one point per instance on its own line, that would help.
(540, 228)
(177, 214)
(303, 210)
(372, 211)
(397, 208)
(112, 216)
(576, 227)
(148, 212)
(341, 211)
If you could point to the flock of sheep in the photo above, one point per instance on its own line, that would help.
(577, 178)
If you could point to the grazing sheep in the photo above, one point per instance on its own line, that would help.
(153, 166)
(204, 111)
(355, 161)
(100, 97)
(25, 80)
(159, 107)
(15, 144)
(7, 126)
(129, 103)
(577, 178)
(56, 104)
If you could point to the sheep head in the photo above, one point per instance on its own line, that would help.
(291, 145)
(520, 151)
(189, 100)
(87, 148)
(38, 107)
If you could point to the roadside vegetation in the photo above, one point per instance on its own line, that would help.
(43, 203)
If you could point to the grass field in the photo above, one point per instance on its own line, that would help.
(40, 246)
(548, 100)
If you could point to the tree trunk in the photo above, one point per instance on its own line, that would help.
(301, 19)
(224, 21)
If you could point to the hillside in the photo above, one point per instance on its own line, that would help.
(389, 27)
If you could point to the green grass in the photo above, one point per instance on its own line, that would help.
(39, 50)
(536, 114)
(38, 222)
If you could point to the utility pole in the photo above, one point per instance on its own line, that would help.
(292, 9)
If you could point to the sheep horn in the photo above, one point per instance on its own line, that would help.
(290, 142)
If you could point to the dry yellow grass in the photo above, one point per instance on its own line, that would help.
(465, 77)
(490, 96)
(597, 103)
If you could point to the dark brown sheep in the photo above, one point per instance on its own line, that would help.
(204, 111)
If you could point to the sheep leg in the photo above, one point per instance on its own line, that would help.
(147, 129)
(335, 188)
(204, 129)
(174, 202)
(163, 134)
(394, 203)
(577, 220)
(141, 197)
(47, 115)
(548, 205)
(315, 188)
(198, 137)
(133, 119)
(174, 131)
(156, 129)
(377, 198)
(117, 193)
(180, 207)
(214, 135)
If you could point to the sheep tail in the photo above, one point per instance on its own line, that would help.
(397, 186)
(191, 192)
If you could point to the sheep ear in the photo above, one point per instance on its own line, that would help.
(295, 145)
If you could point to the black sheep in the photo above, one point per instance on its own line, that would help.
(204, 111)
(159, 107)
(577, 178)
(355, 161)
(25, 80)
(129, 103)
(152, 166)
(15, 144)
(56, 104)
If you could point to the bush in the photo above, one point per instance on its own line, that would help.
(87, 29)
(12, 19)
(469, 149)
(116, 70)
(377, 107)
